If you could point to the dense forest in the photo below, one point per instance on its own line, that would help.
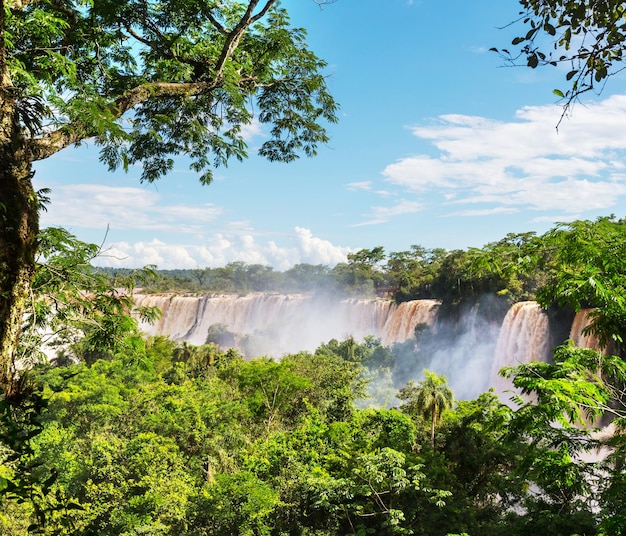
(122, 434)
(417, 273)
(119, 434)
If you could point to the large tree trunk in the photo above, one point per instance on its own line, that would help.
(19, 226)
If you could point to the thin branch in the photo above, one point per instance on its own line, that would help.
(216, 23)
(67, 135)
(70, 134)
(233, 38)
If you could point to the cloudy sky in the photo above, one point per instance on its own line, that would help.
(439, 144)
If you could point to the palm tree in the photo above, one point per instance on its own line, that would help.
(429, 398)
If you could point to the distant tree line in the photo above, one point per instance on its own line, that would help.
(519, 266)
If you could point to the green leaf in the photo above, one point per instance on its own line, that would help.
(571, 74)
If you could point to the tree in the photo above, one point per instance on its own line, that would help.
(429, 398)
(76, 309)
(145, 81)
(220, 335)
(412, 272)
(587, 36)
(362, 273)
(480, 465)
(305, 277)
(561, 459)
(201, 275)
(586, 268)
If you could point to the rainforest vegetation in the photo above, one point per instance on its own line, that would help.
(123, 435)
(517, 267)
(127, 435)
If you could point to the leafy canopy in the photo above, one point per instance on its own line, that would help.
(585, 37)
(152, 79)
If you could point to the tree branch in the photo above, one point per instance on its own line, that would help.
(5, 81)
(233, 38)
(67, 135)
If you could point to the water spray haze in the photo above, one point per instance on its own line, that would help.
(276, 324)
(468, 345)
(460, 345)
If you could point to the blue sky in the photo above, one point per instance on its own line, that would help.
(438, 144)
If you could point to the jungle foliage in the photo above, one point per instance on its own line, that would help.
(124, 435)
(200, 441)
(121, 435)
(144, 81)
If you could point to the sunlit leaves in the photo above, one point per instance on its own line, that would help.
(203, 71)
(576, 389)
(429, 398)
(71, 301)
(587, 268)
(590, 39)
(565, 399)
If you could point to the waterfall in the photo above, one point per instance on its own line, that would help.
(469, 350)
(276, 324)
(585, 340)
(463, 349)
(402, 319)
(523, 337)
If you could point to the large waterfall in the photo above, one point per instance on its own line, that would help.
(524, 336)
(469, 350)
(280, 324)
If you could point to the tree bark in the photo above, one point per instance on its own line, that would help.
(19, 227)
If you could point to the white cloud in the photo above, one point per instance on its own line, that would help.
(222, 248)
(315, 250)
(485, 212)
(524, 163)
(93, 206)
(366, 186)
(360, 185)
(255, 128)
(384, 214)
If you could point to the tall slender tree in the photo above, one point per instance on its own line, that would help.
(429, 398)
(145, 80)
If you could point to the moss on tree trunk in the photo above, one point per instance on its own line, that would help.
(19, 227)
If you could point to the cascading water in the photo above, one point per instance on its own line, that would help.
(577, 333)
(523, 337)
(463, 350)
(402, 319)
(469, 350)
(282, 324)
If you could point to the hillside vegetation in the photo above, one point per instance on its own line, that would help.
(123, 435)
